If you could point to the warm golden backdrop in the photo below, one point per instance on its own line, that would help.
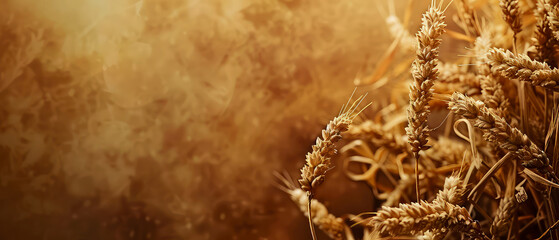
(133, 119)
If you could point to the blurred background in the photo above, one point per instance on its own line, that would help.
(145, 119)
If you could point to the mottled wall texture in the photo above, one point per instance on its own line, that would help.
(166, 119)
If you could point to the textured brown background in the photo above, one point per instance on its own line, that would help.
(166, 119)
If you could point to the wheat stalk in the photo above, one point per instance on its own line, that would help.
(424, 74)
(521, 67)
(497, 130)
(331, 225)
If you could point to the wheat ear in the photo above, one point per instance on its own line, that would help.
(318, 161)
(439, 215)
(543, 41)
(424, 74)
(497, 130)
(511, 13)
(553, 18)
(507, 207)
(491, 90)
(468, 18)
(521, 67)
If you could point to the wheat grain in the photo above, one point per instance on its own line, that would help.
(468, 18)
(408, 43)
(553, 18)
(453, 191)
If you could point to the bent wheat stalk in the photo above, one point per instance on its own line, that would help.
(424, 74)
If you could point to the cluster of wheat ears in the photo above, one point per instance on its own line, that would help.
(490, 172)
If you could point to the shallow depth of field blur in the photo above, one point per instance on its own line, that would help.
(145, 119)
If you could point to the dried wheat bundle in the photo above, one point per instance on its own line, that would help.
(495, 133)
(521, 67)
